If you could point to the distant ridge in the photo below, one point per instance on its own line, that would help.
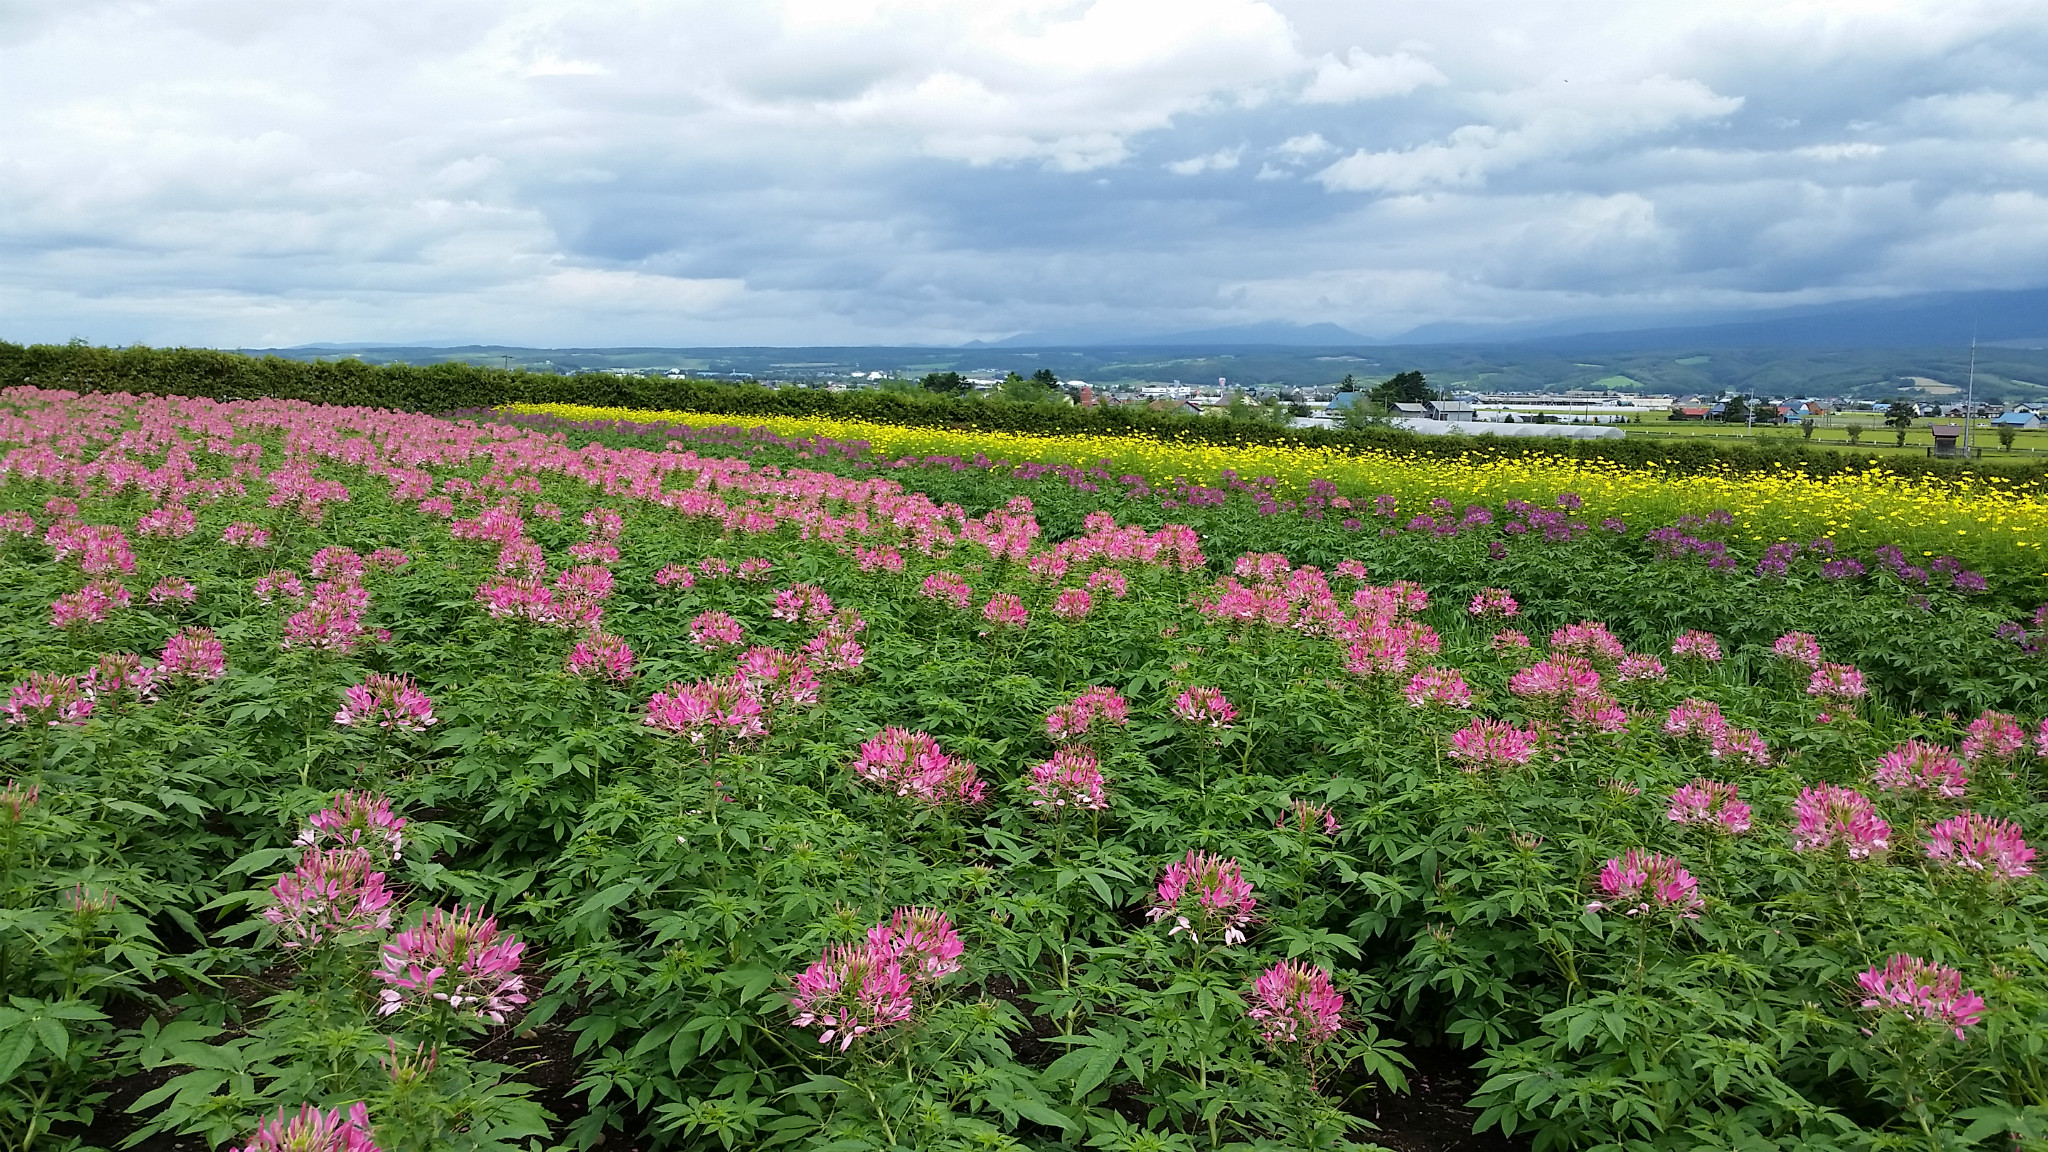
(1271, 333)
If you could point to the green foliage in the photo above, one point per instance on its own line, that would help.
(947, 383)
(1402, 388)
(1901, 415)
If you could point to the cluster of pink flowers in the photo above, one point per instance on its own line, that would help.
(1829, 816)
(1639, 669)
(600, 656)
(1702, 646)
(118, 675)
(835, 647)
(912, 764)
(1073, 721)
(458, 960)
(711, 713)
(88, 605)
(243, 535)
(1439, 688)
(1917, 766)
(1484, 744)
(386, 701)
(193, 654)
(331, 893)
(167, 522)
(1493, 603)
(802, 603)
(1840, 685)
(854, 990)
(48, 699)
(923, 941)
(714, 630)
(1306, 817)
(1296, 1006)
(675, 576)
(1798, 648)
(1590, 641)
(1702, 719)
(1506, 641)
(947, 588)
(1993, 736)
(1004, 610)
(1071, 604)
(1981, 844)
(312, 1130)
(172, 591)
(1924, 991)
(1711, 804)
(778, 677)
(1596, 712)
(356, 820)
(1070, 781)
(1204, 707)
(1556, 679)
(1205, 895)
(1641, 882)
(100, 549)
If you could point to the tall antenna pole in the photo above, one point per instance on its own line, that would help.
(1970, 399)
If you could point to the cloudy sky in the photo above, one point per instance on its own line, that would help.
(270, 172)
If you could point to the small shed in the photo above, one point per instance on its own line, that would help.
(1689, 412)
(1945, 437)
(1414, 410)
(2018, 419)
(1452, 411)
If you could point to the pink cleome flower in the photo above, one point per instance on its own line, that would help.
(851, 991)
(1588, 640)
(1074, 720)
(1204, 895)
(714, 630)
(1700, 719)
(1005, 610)
(193, 654)
(1798, 648)
(1508, 641)
(1071, 604)
(677, 576)
(600, 656)
(922, 940)
(1702, 646)
(1493, 602)
(1640, 670)
(1204, 706)
(172, 590)
(88, 605)
(1486, 744)
(1740, 744)
(1306, 818)
(313, 1130)
(1639, 883)
(1829, 816)
(118, 674)
(1555, 679)
(386, 701)
(361, 820)
(1982, 844)
(912, 764)
(1439, 688)
(802, 603)
(1296, 1005)
(725, 709)
(1070, 781)
(332, 892)
(48, 700)
(1111, 578)
(241, 535)
(458, 960)
(1917, 766)
(1595, 712)
(1922, 990)
(1709, 803)
(1994, 736)
(1382, 649)
(1839, 684)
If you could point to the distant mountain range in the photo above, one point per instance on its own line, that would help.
(1931, 320)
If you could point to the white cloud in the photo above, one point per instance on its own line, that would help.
(1221, 160)
(1303, 146)
(1363, 76)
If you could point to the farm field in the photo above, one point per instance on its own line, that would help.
(1876, 438)
(581, 778)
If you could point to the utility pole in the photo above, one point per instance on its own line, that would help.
(1970, 400)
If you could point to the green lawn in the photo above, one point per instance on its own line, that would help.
(1833, 433)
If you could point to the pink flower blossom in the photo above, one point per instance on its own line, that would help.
(590, 582)
(1355, 569)
(601, 656)
(1981, 844)
(337, 563)
(1071, 604)
(120, 674)
(1709, 803)
(714, 630)
(754, 568)
(1798, 648)
(1594, 712)
(312, 1130)
(1696, 718)
(1837, 683)
(851, 991)
(1739, 744)
(724, 709)
(1555, 679)
(172, 590)
(1073, 721)
(1492, 744)
(1439, 688)
(167, 522)
(713, 568)
(88, 605)
(454, 959)
(1640, 670)
(1639, 883)
(388, 559)
(1004, 610)
(1922, 990)
(1381, 650)
(1916, 766)
(1204, 706)
(922, 941)
(1508, 640)
(194, 654)
(1588, 640)
(280, 582)
(1993, 736)
(386, 701)
(1306, 817)
(356, 820)
(675, 576)
(330, 893)
(1703, 646)
(1493, 602)
(324, 626)
(1071, 780)
(1829, 816)
(948, 588)
(800, 603)
(1111, 578)
(240, 535)
(778, 676)
(48, 700)
(1296, 1006)
(1204, 895)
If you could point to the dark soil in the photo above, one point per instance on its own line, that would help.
(1431, 1116)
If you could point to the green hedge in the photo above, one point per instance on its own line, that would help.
(450, 387)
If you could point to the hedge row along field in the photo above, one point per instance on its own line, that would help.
(449, 387)
(382, 781)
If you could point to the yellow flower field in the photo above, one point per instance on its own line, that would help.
(1984, 522)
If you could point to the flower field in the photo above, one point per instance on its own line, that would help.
(1988, 521)
(379, 781)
